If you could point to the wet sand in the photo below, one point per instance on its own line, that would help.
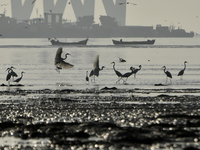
(108, 118)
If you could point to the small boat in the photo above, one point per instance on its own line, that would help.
(57, 42)
(133, 42)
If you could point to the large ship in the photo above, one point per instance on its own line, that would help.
(57, 27)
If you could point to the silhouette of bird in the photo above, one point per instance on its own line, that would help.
(59, 61)
(127, 75)
(33, 1)
(122, 60)
(126, 3)
(96, 69)
(87, 78)
(182, 71)
(11, 73)
(136, 70)
(117, 72)
(168, 74)
(19, 79)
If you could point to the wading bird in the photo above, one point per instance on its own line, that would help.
(96, 69)
(168, 74)
(136, 70)
(182, 71)
(59, 61)
(87, 78)
(127, 75)
(117, 72)
(19, 79)
(11, 73)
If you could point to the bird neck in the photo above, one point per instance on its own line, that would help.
(101, 68)
(184, 66)
(114, 66)
(65, 57)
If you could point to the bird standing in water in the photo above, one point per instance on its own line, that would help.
(87, 78)
(117, 72)
(127, 75)
(19, 79)
(59, 61)
(96, 69)
(168, 74)
(136, 70)
(182, 71)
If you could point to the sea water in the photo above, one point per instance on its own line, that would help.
(36, 58)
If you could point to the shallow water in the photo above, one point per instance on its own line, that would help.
(36, 58)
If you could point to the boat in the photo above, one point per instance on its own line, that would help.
(55, 41)
(120, 42)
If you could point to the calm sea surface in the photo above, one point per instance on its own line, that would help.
(36, 58)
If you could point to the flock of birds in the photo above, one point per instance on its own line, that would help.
(61, 64)
(11, 75)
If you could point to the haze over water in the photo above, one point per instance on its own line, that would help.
(36, 58)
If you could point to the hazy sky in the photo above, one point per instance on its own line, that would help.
(180, 13)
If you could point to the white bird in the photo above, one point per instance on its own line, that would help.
(96, 69)
(59, 61)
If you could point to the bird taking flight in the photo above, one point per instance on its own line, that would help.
(126, 3)
(168, 74)
(11, 73)
(59, 61)
(117, 72)
(182, 71)
(19, 79)
(96, 69)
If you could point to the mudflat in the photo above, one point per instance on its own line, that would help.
(108, 118)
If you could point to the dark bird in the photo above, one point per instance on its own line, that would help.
(96, 69)
(136, 70)
(11, 73)
(33, 1)
(59, 61)
(87, 78)
(117, 72)
(19, 79)
(122, 60)
(182, 71)
(168, 74)
(126, 3)
(127, 75)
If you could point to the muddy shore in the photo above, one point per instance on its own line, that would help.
(102, 119)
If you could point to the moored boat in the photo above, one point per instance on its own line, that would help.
(120, 42)
(57, 42)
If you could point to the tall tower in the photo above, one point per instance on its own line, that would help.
(19, 11)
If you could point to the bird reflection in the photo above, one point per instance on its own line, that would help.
(59, 61)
